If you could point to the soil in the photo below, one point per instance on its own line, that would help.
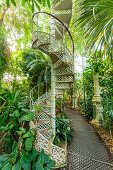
(105, 135)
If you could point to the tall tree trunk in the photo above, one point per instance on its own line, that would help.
(3, 14)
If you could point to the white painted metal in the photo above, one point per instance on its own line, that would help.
(52, 42)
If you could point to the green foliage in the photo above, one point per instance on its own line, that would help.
(87, 108)
(31, 3)
(26, 160)
(4, 54)
(96, 23)
(62, 131)
(106, 83)
(20, 137)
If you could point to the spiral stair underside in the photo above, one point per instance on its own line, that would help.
(62, 60)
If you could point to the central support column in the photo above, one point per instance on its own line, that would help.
(53, 113)
(53, 100)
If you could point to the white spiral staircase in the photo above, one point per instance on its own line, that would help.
(50, 35)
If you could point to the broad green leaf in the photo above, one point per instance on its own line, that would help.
(7, 2)
(27, 118)
(39, 1)
(48, 3)
(14, 146)
(3, 128)
(3, 98)
(16, 166)
(32, 6)
(27, 111)
(46, 159)
(7, 166)
(38, 7)
(22, 129)
(13, 2)
(23, 3)
(44, 3)
(29, 5)
(39, 166)
(25, 163)
(3, 157)
(15, 114)
(18, 132)
(35, 154)
(51, 164)
(14, 155)
(28, 144)
(41, 157)
(28, 134)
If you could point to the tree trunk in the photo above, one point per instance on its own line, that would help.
(3, 14)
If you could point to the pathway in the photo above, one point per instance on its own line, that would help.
(87, 151)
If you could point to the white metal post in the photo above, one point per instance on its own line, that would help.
(53, 100)
(52, 71)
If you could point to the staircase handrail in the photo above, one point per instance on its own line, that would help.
(58, 21)
(31, 93)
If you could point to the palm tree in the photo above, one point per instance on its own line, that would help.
(39, 69)
(96, 21)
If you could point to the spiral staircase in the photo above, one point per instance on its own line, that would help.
(51, 36)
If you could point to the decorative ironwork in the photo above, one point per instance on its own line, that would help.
(44, 126)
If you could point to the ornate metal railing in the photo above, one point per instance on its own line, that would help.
(39, 93)
(60, 29)
(58, 154)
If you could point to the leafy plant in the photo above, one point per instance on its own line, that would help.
(19, 138)
(26, 160)
(62, 131)
(31, 3)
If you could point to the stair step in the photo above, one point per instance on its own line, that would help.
(44, 116)
(45, 105)
(61, 65)
(41, 112)
(43, 121)
(57, 52)
(65, 74)
(65, 81)
(43, 44)
(46, 133)
(62, 88)
(44, 126)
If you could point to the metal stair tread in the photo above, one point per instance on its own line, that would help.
(45, 105)
(59, 52)
(65, 81)
(43, 121)
(42, 112)
(45, 131)
(65, 74)
(62, 88)
(48, 43)
(63, 64)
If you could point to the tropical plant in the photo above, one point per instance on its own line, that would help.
(63, 130)
(96, 21)
(4, 54)
(39, 68)
(15, 117)
(29, 159)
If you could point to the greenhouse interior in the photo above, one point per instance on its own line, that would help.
(56, 85)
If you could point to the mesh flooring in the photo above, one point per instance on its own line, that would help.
(86, 151)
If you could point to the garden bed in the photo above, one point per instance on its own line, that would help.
(105, 135)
